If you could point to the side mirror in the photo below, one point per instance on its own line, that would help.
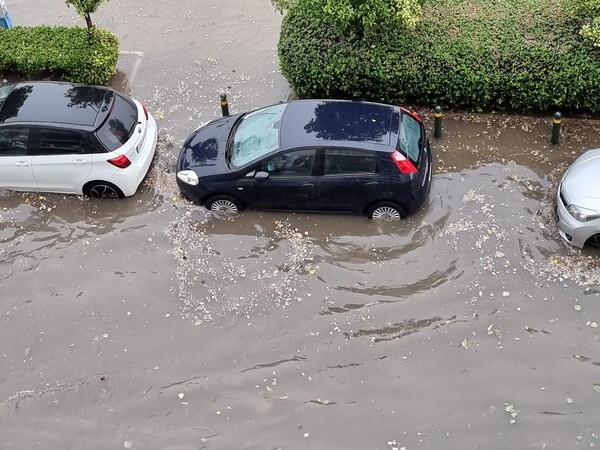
(261, 176)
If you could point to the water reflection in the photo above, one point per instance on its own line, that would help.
(83, 97)
(351, 121)
(13, 104)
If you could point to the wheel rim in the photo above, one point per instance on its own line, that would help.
(386, 212)
(103, 191)
(224, 206)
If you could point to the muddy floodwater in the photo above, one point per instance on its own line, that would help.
(149, 323)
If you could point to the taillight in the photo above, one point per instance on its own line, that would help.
(122, 162)
(404, 165)
(412, 114)
(145, 111)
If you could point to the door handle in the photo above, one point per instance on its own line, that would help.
(79, 162)
(307, 185)
(22, 163)
(372, 183)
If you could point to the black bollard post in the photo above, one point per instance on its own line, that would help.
(556, 128)
(437, 122)
(224, 105)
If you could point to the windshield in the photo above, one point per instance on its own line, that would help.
(256, 135)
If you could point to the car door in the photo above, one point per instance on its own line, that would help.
(291, 182)
(60, 159)
(15, 163)
(350, 181)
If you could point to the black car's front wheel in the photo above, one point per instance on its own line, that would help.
(224, 204)
(385, 211)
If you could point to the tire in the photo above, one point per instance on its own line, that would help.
(223, 204)
(386, 211)
(102, 189)
(594, 241)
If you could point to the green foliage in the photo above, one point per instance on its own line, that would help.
(85, 8)
(587, 13)
(583, 9)
(360, 15)
(72, 53)
(282, 5)
(591, 32)
(515, 54)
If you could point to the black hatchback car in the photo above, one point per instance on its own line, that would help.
(310, 155)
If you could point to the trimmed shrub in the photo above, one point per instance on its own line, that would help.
(72, 53)
(514, 54)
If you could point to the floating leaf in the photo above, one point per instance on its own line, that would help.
(596, 387)
(577, 307)
(465, 343)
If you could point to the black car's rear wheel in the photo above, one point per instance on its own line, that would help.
(102, 189)
(224, 204)
(385, 211)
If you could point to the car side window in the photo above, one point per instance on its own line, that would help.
(297, 163)
(14, 141)
(61, 142)
(349, 162)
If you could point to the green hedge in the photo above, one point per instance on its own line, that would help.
(71, 53)
(514, 54)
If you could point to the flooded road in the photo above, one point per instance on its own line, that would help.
(149, 323)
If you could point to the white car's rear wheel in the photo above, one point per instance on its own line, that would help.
(102, 189)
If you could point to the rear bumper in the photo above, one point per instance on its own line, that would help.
(130, 178)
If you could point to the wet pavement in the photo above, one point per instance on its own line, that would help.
(148, 323)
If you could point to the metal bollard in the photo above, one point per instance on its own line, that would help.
(224, 105)
(556, 128)
(437, 122)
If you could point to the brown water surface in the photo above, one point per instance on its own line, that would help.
(149, 323)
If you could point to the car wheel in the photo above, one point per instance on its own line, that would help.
(386, 211)
(102, 189)
(594, 241)
(224, 204)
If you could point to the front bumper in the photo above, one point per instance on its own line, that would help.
(574, 232)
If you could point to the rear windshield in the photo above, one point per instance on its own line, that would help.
(410, 138)
(119, 126)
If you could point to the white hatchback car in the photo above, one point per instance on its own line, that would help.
(73, 139)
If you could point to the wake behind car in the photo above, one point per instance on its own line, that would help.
(578, 201)
(73, 139)
(310, 155)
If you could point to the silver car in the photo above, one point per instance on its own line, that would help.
(578, 201)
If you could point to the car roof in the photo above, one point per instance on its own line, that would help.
(55, 103)
(341, 121)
